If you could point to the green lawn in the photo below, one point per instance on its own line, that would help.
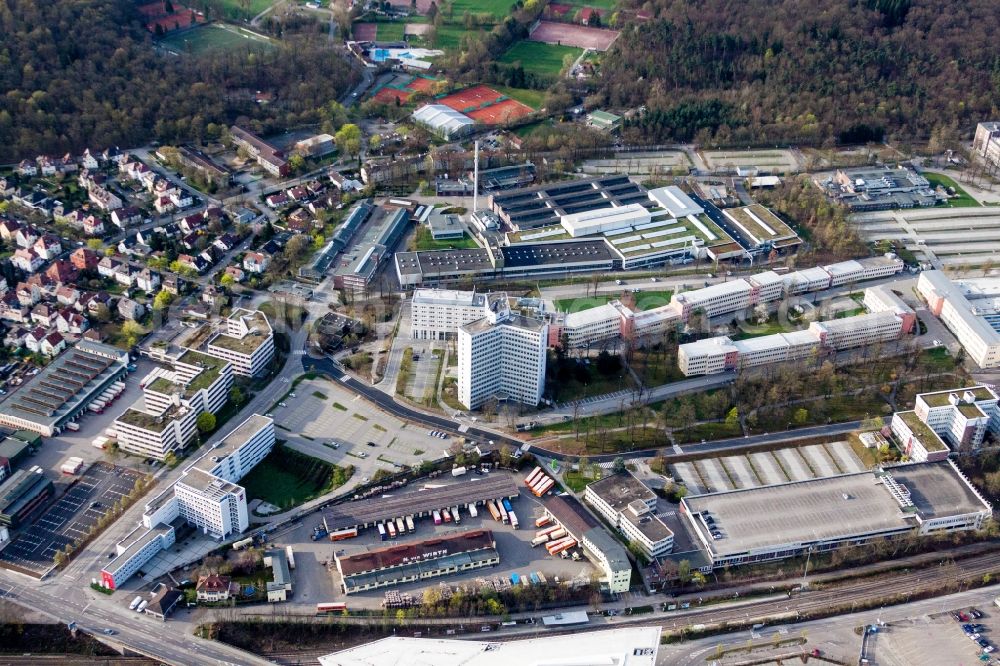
(449, 36)
(498, 8)
(963, 200)
(644, 300)
(287, 478)
(533, 98)
(233, 9)
(390, 32)
(596, 4)
(210, 38)
(424, 241)
(538, 57)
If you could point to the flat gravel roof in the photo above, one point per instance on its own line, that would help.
(804, 512)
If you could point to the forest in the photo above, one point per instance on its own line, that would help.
(85, 73)
(805, 71)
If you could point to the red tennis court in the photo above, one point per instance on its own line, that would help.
(470, 98)
(568, 34)
(501, 112)
(365, 32)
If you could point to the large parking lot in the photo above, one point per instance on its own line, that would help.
(711, 475)
(936, 639)
(332, 423)
(69, 518)
(315, 584)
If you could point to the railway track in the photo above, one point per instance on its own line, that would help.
(810, 603)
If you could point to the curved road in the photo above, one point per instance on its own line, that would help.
(388, 404)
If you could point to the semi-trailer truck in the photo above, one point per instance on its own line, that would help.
(391, 529)
(400, 526)
(492, 506)
(513, 519)
(532, 476)
(381, 532)
(503, 513)
(437, 517)
(409, 525)
(543, 521)
(506, 505)
(454, 514)
(446, 515)
(537, 541)
(472, 510)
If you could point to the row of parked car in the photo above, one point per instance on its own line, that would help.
(974, 630)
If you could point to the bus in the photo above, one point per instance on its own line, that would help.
(331, 608)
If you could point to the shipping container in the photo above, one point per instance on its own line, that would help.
(537, 541)
(492, 506)
(340, 535)
(437, 517)
(381, 532)
(544, 487)
(503, 513)
(458, 471)
(472, 510)
(290, 554)
(409, 524)
(515, 579)
(543, 521)
(532, 476)
(556, 534)
(548, 530)
(513, 519)
(506, 505)
(73, 425)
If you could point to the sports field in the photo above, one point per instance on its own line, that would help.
(573, 35)
(538, 57)
(486, 105)
(390, 32)
(212, 37)
(233, 9)
(497, 8)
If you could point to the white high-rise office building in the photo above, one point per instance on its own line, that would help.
(501, 355)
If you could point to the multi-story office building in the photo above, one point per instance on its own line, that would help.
(437, 314)
(630, 507)
(172, 401)
(501, 356)
(858, 270)
(950, 303)
(246, 341)
(865, 329)
(708, 357)
(211, 504)
(715, 299)
(590, 326)
(986, 144)
(882, 298)
(961, 416)
(207, 495)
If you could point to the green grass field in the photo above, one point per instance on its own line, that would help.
(449, 37)
(391, 32)
(962, 201)
(209, 38)
(533, 98)
(287, 478)
(233, 9)
(596, 4)
(539, 58)
(497, 8)
(644, 300)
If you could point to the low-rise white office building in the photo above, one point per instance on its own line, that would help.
(714, 300)
(501, 356)
(603, 220)
(858, 270)
(858, 331)
(964, 319)
(591, 326)
(630, 506)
